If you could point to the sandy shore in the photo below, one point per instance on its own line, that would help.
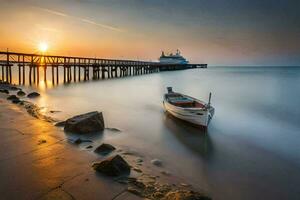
(39, 161)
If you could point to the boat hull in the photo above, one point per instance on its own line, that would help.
(199, 117)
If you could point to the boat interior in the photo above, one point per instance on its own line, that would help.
(180, 100)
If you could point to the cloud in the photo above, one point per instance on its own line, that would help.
(101, 25)
(41, 27)
(52, 12)
(87, 21)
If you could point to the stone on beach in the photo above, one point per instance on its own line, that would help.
(14, 88)
(113, 166)
(156, 162)
(42, 141)
(185, 195)
(166, 173)
(21, 93)
(12, 97)
(4, 91)
(33, 95)
(54, 111)
(137, 170)
(104, 149)
(79, 141)
(16, 101)
(85, 123)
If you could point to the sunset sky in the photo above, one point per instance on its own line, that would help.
(217, 32)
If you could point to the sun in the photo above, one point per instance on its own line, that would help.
(43, 47)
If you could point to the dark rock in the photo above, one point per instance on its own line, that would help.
(156, 162)
(60, 124)
(85, 123)
(21, 93)
(79, 141)
(14, 88)
(54, 111)
(12, 97)
(33, 95)
(89, 147)
(16, 101)
(4, 91)
(104, 149)
(185, 195)
(167, 173)
(41, 142)
(137, 170)
(113, 166)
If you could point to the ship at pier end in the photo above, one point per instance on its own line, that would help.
(176, 62)
(172, 58)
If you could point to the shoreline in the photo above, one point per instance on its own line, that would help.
(145, 180)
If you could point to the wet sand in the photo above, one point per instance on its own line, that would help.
(37, 162)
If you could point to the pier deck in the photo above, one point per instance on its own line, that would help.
(77, 68)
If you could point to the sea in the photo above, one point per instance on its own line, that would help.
(251, 149)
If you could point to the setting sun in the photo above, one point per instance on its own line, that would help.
(43, 47)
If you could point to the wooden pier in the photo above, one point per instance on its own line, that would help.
(76, 68)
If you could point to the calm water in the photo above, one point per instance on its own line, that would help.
(251, 150)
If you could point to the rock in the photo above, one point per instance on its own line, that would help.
(113, 166)
(158, 195)
(104, 149)
(60, 124)
(185, 195)
(33, 95)
(137, 170)
(156, 162)
(13, 88)
(167, 173)
(85, 123)
(79, 141)
(4, 91)
(21, 93)
(139, 160)
(184, 185)
(42, 141)
(89, 147)
(16, 101)
(12, 97)
(54, 111)
(129, 153)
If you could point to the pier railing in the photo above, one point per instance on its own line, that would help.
(77, 68)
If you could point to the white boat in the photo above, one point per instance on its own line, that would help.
(172, 58)
(188, 108)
